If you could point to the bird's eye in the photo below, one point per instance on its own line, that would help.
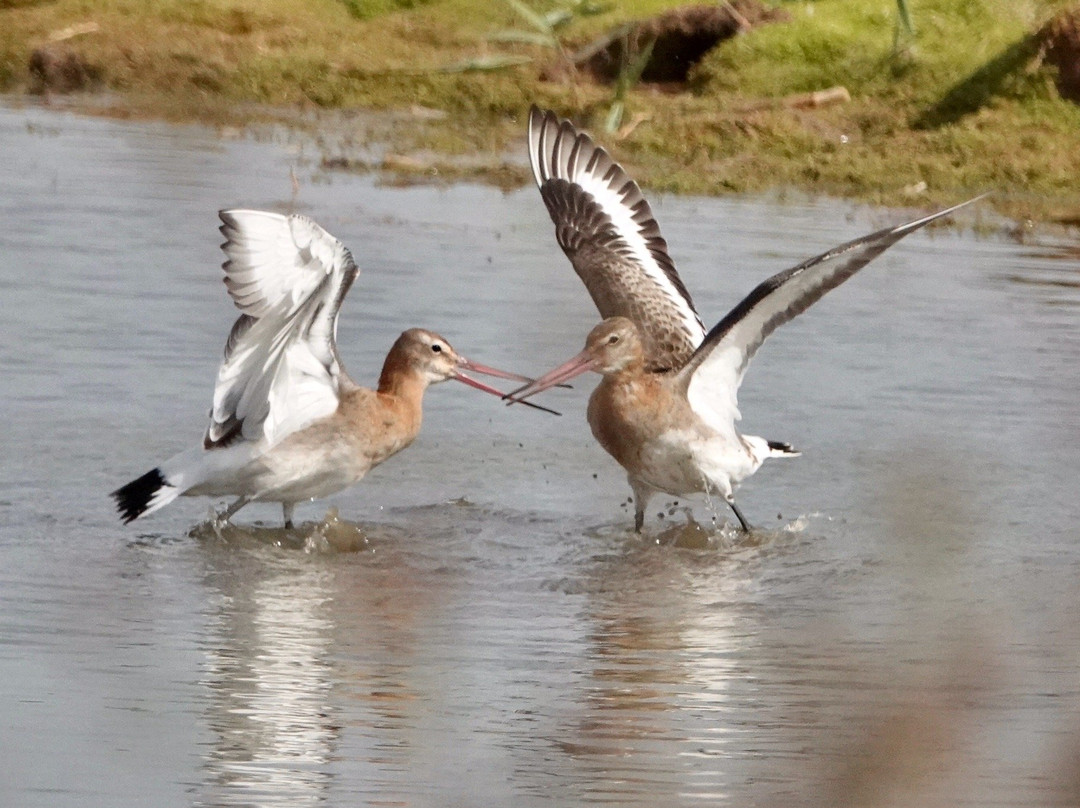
(436, 348)
(612, 339)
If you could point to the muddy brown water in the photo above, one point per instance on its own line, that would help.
(480, 627)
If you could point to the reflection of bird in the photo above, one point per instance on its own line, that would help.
(667, 404)
(287, 423)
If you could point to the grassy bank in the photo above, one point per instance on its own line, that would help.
(962, 104)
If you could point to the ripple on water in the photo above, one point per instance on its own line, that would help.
(330, 535)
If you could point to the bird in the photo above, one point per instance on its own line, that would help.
(667, 403)
(287, 423)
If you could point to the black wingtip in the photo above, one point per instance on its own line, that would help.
(133, 499)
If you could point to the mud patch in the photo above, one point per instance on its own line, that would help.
(680, 38)
(58, 69)
(1059, 41)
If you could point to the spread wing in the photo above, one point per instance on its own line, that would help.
(606, 228)
(281, 369)
(712, 376)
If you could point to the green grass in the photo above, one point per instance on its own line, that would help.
(850, 42)
(966, 108)
(962, 107)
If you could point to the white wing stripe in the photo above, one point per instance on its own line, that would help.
(618, 197)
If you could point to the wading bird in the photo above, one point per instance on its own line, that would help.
(287, 423)
(667, 404)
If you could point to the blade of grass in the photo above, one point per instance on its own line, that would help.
(629, 75)
(537, 21)
(904, 15)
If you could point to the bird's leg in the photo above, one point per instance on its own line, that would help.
(642, 494)
(226, 514)
(287, 512)
(738, 513)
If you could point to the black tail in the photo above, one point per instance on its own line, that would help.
(133, 499)
(781, 448)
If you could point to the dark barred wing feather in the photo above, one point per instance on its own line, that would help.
(606, 228)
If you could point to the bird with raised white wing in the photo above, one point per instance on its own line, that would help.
(666, 405)
(287, 423)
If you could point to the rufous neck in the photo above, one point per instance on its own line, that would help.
(400, 379)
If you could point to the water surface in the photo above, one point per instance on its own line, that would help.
(903, 627)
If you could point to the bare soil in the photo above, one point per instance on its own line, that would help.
(1060, 43)
(680, 38)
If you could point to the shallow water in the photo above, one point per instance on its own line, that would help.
(482, 628)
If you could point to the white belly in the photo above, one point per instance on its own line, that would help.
(298, 476)
(682, 462)
(290, 472)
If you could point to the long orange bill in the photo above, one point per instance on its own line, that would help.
(476, 367)
(564, 372)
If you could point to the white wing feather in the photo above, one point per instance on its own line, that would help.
(281, 370)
